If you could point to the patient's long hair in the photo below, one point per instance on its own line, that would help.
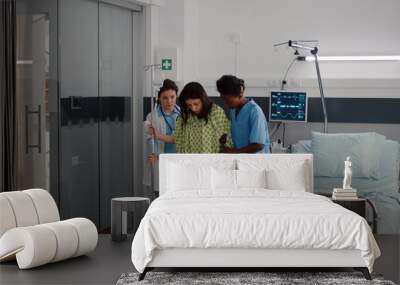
(194, 90)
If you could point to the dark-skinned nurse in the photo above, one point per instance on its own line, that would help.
(248, 123)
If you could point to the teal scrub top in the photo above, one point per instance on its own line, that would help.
(249, 126)
(170, 122)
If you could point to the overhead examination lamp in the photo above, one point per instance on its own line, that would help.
(300, 45)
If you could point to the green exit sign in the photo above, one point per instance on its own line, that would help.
(166, 64)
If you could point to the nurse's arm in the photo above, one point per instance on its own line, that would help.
(251, 148)
(165, 138)
(161, 137)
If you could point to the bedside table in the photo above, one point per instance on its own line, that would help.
(356, 205)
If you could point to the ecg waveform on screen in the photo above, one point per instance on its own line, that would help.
(288, 106)
(295, 116)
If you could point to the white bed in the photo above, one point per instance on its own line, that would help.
(213, 226)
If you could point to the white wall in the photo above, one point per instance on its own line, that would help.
(171, 23)
(203, 28)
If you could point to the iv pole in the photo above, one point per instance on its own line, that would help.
(314, 51)
(153, 68)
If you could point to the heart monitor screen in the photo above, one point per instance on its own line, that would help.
(288, 106)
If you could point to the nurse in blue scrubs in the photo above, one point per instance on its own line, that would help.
(163, 120)
(248, 123)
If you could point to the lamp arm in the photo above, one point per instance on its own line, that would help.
(321, 92)
(283, 82)
(296, 45)
(314, 51)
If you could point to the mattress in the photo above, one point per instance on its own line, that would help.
(250, 218)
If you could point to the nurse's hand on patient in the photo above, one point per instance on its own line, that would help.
(152, 158)
(223, 139)
(226, 149)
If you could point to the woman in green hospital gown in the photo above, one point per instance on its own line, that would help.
(202, 127)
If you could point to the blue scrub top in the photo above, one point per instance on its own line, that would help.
(170, 127)
(249, 126)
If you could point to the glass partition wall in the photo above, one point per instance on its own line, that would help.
(36, 95)
(75, 91)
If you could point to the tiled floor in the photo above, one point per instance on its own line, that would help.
(110, 260)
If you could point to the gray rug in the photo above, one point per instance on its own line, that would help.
(229, 278)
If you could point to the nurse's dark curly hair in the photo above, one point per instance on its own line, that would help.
(229, 85)
(194, 90)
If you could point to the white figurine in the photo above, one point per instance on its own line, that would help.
(347, 174)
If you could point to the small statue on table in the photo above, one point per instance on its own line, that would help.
(348, 172)
(347, 192)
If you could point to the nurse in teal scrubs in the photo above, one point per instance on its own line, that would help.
(248, 124)
(163, 119)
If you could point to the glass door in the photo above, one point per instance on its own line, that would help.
(115, 97)
(77, 80)
(36, 95)
(79, 107)
(96, 98)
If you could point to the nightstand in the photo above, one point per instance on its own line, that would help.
(358, 206)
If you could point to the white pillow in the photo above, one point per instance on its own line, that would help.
(251, 178)
(330, 150)
(203, 160)
(282, 173)
(188, 177)
(294, 178)
(224, 179)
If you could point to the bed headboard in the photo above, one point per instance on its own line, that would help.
(230, 160)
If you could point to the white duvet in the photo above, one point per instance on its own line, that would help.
(253, 218)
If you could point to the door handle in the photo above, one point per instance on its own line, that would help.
(39, 144)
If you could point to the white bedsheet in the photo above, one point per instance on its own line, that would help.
(252, 218)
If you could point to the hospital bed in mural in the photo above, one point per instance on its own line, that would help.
(376, 161)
